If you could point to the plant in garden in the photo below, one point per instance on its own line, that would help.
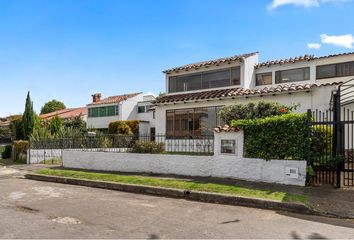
(6, 152)
(28, 118)
(76, 123)
(148, 147)
(52, 106)
(56, 124)
(253, 111)
(16, 127)
(119, 127)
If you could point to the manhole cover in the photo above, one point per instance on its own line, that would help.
(66, 220)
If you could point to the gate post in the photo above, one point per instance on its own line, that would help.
(337, 135)
(308, 123)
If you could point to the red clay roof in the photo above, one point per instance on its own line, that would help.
(115, 99)
(210, 62)
(305, 57)
(235, 92)
(66, 113)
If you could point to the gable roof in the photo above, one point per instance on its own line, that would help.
(237, 92)
(305, 57)
(115, 99)
(210, 62)
(66, 113)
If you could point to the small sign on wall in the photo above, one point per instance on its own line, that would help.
(292, 172)
(228, 146)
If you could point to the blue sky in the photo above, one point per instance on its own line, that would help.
(69, 49)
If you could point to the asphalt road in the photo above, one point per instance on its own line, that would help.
(31, 209)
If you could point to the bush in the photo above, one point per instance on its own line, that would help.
(21, 148)
(321, 142)
(278, 137)
(253, 111)
(134, 126)
(147, 147)
(56, 124)
(119, 127)
(7, 152)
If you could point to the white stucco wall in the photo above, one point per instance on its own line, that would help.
(220, 165)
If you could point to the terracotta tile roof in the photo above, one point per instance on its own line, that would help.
(66, 113)
(237, 92)
(210, 62)
(305, 57)
(226, 128)
(115, 99)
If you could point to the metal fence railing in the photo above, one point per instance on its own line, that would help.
(203, 144)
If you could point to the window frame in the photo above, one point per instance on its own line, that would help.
(103, 111)
(292, 69)
(336, 70)
(264, 73)
(173, 86)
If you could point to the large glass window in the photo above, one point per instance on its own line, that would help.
(292, 75)
(205, 80)
(103, 111)
(335, 70)
(263, 79)
(191, 122)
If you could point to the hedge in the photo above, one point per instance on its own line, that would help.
(124, 127)
(279, 137)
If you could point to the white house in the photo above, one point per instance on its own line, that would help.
(101, 112)
(195, 92)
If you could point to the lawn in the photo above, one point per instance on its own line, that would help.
(177, 184)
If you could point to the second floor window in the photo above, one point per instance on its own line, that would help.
(103, 111)
(335, 70)
(292, 75)
(263, 79)
(205, 80)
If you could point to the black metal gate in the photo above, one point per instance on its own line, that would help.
(332, 131)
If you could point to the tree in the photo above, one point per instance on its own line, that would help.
(28, 118)
(56, 124)
(52, 106)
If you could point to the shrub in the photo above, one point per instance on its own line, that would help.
(21, 148)
(253, 111)
(119, 127)
(7, 152)
(134, 126)
(56, 124)
(147, 147)
(321, 142)
(278, 137)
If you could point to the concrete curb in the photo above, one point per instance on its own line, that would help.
(175, 193)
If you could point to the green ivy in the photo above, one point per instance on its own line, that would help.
(279, 137)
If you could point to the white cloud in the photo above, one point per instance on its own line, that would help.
(345, 41)
(301, 3)
(313, 45)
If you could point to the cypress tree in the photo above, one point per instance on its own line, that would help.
(28, 118)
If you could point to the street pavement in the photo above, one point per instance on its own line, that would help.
(32, 209)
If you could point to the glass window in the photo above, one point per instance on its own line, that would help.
(326, 71)
(345, 69)
(193, 122)
(205, 80)
(103, 111)
(292, 75)
(264, 79)
(228, 146)
(141, 109)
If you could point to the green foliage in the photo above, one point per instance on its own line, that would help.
(16, 127)
(134, 126)
(279, 137)
(321, 141)
(119, 127)
(6, 152)
(5, 132)
(253, 111)
(147, 147)
(21, 148)
(56, 124)
(52, 106)
(76, 123)
(28, 118)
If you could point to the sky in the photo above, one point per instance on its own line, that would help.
(69, 49)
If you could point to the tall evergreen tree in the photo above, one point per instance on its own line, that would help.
(28, 118)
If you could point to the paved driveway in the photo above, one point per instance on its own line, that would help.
(31, 209)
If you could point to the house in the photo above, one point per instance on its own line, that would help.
(66, 114)
(132, 106)
(195, 92)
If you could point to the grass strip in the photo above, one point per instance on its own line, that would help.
(177, 184)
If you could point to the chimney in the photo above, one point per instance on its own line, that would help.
(96, 97)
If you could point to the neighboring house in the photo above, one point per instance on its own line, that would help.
(195, 92)
(67, 114)
(132, 106)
